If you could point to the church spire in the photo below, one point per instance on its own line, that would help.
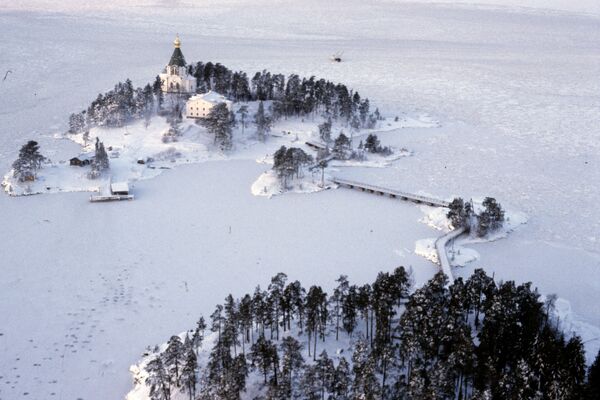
(177, 58)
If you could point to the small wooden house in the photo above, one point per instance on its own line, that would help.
(78, 162)
(119, 189)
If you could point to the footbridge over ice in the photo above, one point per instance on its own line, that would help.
(395, 194)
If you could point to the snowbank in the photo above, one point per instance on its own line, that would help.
(269, 185)
(458, 252)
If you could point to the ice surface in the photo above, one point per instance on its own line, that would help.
(85, 287)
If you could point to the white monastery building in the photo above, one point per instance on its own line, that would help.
(175, 78)
(199, 106)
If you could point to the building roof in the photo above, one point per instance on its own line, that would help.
(177, 58)
(119, 187)
(210, 96)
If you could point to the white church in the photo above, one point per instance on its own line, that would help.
(175, 78)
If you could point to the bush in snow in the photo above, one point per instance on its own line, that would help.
(29, 162)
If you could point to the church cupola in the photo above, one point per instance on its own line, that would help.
(177, 58)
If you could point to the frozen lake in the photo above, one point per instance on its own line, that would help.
(93, 284)
(516, 92)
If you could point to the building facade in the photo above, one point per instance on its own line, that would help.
(198, 106)
(174, 78)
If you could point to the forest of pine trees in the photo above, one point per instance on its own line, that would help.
(473, 339)
(290, 97)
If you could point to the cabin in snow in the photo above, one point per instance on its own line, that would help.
(119, 189)
(175, 78)
(199, 106)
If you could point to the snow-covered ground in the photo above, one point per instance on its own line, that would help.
(86, 287)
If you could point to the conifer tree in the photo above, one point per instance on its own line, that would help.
(342, 381)
(29, 162)
(174, 357)
(338, 298)
(265, 358)
(243, 112)
(593, 380)
(219, 123)
(189, 372)
(198, 335)
(291, 364)
(324, 373)
(263, 122)
(341, 147)
(100, 162)
(158, 380)
(325, 131)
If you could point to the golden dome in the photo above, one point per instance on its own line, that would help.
(177, 42)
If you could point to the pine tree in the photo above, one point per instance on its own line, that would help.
(365, 385)
(324, 373)
(593, 380)
(243, 112)
(158, 93)
(491, 218)
(245, 320)
(189, 372)
(158, 380)
(265, 358)
(316, 316)
(263, 122)
(372, 144)
(341, 148)
(456, 213)
(29, 162)
(100, 162)
(231, 323)
(198, 335)
(219, 123)
(338, 298)
(349, 310)
(291, 363)
(77, 122)
(325, 131)
(342, 381)
(309, 386)
(174, 357)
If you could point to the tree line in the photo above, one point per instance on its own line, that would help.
(291, 96)
(474, 339)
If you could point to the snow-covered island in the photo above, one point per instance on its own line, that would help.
(139, 132)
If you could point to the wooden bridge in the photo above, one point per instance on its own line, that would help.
(395, 194)
(441, 245)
